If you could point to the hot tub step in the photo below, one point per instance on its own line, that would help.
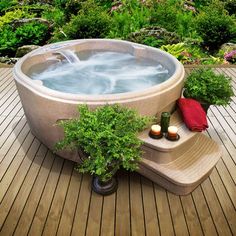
(186, 172)
(165, 145)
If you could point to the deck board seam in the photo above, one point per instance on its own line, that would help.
(41, 194)
(64, 201)
(73, 221)
(32, 184)
(46, 219)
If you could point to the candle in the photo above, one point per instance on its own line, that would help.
(172, 131)
(165, 120)
(156, 129)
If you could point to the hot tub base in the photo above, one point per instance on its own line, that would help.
(179, 166)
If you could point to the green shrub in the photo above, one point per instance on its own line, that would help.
(69, 7)
(215, 27)
(108, 136)
(5, 4)
(54, 15)
(206, 86)
(130, 17)
(90, 22)
(8, 41)
(230, 6)
(170, 14)
(30, 33)
(14, 15)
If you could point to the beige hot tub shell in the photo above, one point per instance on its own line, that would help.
(43, 107)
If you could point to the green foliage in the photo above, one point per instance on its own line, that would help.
(170, 14)
(215, 26)
(8, 41)
(5, 4)
(230, 6)
(175, 49)
(204, 85)
(130, 17)
(90, 22)
(69, 7)
(30, 33)
(54, 15)
(14, 15)
(108, 136)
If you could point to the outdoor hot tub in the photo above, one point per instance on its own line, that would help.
(141, 77)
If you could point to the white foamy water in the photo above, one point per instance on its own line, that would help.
(101, 73)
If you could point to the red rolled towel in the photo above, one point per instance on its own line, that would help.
(193, 114)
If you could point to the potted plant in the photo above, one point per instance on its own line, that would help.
(208, 88)
(108, 138)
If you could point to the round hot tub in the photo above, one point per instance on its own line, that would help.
(54, 79)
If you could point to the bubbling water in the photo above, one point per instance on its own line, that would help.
(101, 73)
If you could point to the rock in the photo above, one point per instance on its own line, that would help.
(8, 60)
(19, 22)
(154, 35)
(228, 47)
(21, 51)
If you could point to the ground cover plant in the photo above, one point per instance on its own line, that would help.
(199, 28)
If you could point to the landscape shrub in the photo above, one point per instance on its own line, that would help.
(230, 6)
(215, 26)
(130, 17)
(55, 16)
(171, 15)
(69, 8)
(90, 22)
(29, 33)
(14, 15)
(5, 4)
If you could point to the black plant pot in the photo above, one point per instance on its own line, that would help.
(205, 106)
(104, 188)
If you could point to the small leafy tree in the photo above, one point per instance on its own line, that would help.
(108, 136)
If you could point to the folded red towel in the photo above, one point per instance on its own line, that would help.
(193, 114)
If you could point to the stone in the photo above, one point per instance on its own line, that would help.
(21, 51)
(154, 35)
(8, 60)
(20, 22)
(228, 47)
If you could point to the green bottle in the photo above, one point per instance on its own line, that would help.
(165, 121)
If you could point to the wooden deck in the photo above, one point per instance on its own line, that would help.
(41, 194)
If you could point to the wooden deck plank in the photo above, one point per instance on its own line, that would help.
(122, 223)
(94, 216)
(191, 215)
(136, 206)
(34, 197)
(12, 191)
(108, 215)
(41, 193)
(222, 139)
(40, 217)
(56, 208)
(215, 209)
(149, 204)
(82, 209)
(178, 217)
(22, 197)
(225, 202)
(69, 208)
(163, 209)
(203, 212)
